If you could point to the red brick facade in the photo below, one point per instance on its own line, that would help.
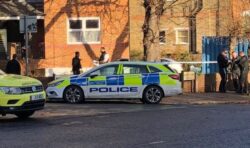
(114, 33)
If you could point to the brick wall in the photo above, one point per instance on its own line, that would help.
(209, 83)
(176, 17)
(114, 31)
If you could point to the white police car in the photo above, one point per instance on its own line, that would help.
(147, 81)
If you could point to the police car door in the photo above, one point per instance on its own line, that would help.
(132, 79)
(102, 82)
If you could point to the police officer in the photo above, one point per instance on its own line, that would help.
(243, 64)
(104, 57)
(235, 71)
(76, 64)
(223, 64)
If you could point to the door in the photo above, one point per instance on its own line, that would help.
(133, 76)
(3, 43)
(103, 82)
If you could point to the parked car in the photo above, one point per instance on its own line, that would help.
(173, 64)
(149, 82)
(20, 95)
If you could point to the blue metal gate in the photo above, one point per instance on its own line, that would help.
(242, 45)
(211, 47)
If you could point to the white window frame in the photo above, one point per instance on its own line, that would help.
(177, 37)
(166, 30)
(83, 19)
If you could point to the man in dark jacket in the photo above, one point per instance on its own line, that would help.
(223, 63)
(104, 57)
(236, 71)
(76, 64)
(243, 63)
(13, 66)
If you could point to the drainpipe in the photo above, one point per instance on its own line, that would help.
(192, 26)
(218, 18)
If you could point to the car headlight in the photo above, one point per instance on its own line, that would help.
(11, 90)
(54, 84)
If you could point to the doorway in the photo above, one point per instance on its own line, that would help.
(3, 43)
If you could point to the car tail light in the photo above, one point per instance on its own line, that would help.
(174, 76)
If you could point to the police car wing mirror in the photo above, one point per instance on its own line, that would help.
(93, 75)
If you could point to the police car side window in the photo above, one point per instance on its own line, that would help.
(154, 69)
(107, 71)
(134, 69)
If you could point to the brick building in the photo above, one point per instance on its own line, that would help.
(183, 25)
(11, 40)
(70, 25)
(64, 27)
(83, 26)
(241, 17)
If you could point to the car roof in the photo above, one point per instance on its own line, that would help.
(133, 62)
(123, 62)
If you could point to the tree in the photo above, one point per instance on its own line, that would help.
(153, 12)
(154, 9)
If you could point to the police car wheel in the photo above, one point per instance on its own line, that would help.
(73, 94)
(152, 95)
(24, 114)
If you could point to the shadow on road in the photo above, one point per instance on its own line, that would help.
(100, 102)
(14, 120)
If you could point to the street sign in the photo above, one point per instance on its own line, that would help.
(28, 23)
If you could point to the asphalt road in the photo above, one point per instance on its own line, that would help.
(129, 125)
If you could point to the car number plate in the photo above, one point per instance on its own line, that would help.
(36, 97)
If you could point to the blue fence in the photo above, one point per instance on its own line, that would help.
(211, 47)
(242, 45)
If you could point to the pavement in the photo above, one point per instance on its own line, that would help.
(207, 98)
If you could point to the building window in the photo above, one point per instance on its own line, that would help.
(182, 36)
(84, 30)
(162, 37)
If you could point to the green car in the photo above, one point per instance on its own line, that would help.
(20, 95)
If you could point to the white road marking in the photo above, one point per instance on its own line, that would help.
(72, 123)
(156, 142)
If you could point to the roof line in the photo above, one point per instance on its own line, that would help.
(7, 18)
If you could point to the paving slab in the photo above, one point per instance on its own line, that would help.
(207, 98)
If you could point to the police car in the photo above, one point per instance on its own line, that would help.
(20, 95)
(147, 81)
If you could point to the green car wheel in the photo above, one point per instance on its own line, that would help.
(24, 114)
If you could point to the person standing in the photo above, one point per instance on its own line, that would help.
(13, 66)
(104, 57)
(243, 64)
(235, 71)
(223, 63)
(76, 64)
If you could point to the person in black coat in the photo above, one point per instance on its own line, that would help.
(235, 71)
(104, 57)
(13, 66)
(243, 64)
(76, 64)
(223, 64)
